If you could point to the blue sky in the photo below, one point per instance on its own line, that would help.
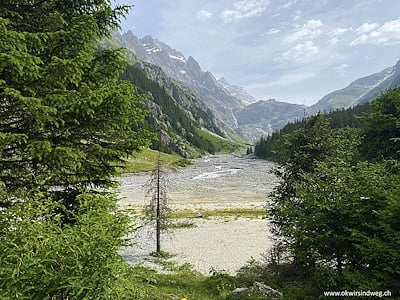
(290, 50)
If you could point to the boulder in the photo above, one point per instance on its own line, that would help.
(265, 290)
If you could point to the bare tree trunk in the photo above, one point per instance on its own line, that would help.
(158, 212)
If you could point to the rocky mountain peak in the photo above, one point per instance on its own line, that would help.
(224, 99)
(237, 91)
(209, 79)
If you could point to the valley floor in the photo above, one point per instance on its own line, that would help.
(227, 188)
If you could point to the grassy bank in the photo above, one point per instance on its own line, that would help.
(146, 161)
(219, 144)
(180, 282)
(250, 213)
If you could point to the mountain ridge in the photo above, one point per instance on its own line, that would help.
(238, 109)
(186, 70)
(227, 101)
(359, 91)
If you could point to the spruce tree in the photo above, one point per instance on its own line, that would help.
(65, 117)
(66, 121)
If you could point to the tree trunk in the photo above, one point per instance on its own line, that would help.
(158, 216)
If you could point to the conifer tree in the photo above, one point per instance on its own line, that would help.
(66, 121)
(158, 209)
(65, 117)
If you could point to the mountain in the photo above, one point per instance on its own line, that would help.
(390, 81)
(362, 90)
(188, 132)
(223, 98)
(229, 103)
(265, 117)
(182, 122)
(237, 91)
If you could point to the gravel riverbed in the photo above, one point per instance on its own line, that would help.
(213, 182)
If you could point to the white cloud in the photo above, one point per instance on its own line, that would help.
(336, 35)
(204, 15)
(272, 31)
(362, 39)
(339, 31)
(341, 69)
(300, 53)
(387, 34)
(287, 79)
(244, 9)
(366, 27)
(289, 4)
(309, 30)
(333, 41)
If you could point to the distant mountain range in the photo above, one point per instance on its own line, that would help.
(359, 91)
(263, 117)
(227, 101)
(232, 105)
(222, 97)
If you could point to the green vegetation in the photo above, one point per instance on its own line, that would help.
(146, 160)
(218, 144)
(182, 224)
(268, 147)
(183, 283)
(337, 205)
(180, 123)
(66, 119)
(250, 213)
(66, 122)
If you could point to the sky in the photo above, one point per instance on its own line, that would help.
(295, 51)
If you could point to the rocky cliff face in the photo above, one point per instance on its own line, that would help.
(226, 102)
(264, 117)
(221, 97)
(185, 98)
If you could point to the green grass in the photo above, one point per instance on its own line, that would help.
(234, 137)
(182, 224)
(250, 213)
(221, 145)
(183, 283)
(146, 161)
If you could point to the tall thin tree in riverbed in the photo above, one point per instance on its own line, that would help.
(158, 208)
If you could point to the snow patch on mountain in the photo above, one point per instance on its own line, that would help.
(388, 74)
(182, 59)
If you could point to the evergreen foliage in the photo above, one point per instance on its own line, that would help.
(336, 213)
(65, 119)
(267, 147)
(66, 122)
(179, 121)
(382, 133)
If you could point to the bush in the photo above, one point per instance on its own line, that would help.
(43, 258)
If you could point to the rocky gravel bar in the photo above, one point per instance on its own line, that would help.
(213, 182)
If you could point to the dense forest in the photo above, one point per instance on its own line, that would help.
(178, 119)
(268, 147)
(336, 211)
